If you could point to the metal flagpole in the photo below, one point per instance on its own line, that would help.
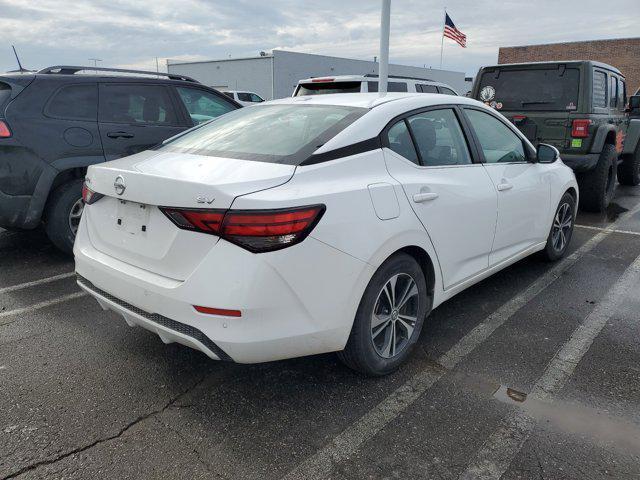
(383, 71)
(444, 22)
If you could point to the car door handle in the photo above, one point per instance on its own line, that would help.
(424, 197)
(504, 186)
(120, 135)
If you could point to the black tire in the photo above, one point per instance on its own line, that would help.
(629, 169)
(361, 352)
(597, 186)
(555, 248)
(57, 215)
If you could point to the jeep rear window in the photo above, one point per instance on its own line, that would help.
(548, 89)
(286, 134)
(322, 88)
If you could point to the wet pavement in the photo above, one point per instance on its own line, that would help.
(533, 373)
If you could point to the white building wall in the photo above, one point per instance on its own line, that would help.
(276, 75)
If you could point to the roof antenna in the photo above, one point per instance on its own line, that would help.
(20, 69)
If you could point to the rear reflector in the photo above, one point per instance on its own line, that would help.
(255, 230)
(89, 196)
(580, 128)
(4, 130)
(218, 311)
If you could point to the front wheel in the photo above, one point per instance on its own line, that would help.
(561, 229)
(389, 318)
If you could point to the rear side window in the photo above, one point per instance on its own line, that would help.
(249, 97)
(322, 88)
(599, 89)
(401, 143)
(613, 91)
(622, 94)
(74, 102)
(391, 86)
(136, 104)
(202, 105)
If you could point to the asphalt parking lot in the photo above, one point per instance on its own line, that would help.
(533, 373)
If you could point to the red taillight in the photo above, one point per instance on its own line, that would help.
(89, 196)
(322, 79)
(254, 230)
(4, 130)
(218, 311)
(580, 128)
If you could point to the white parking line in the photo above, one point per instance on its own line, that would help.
(320, 464)
(34, 283)
(38, 306)
(503, 445)
(600, 229)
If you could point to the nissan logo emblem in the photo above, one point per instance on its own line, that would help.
(119, 185)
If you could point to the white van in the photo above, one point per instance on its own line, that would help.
(367, 83)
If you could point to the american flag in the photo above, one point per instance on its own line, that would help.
(450, 31)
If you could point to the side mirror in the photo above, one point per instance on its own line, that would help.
(547, 153)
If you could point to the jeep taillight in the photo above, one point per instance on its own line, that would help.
(580, 128)
(4, 130)
(254, 230)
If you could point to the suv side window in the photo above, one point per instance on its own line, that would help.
(202, 105)
(428, 88)
(446, 91)
(497, 141)
(439, 138)
(136, 104)
(396, 87)
(613, 91)
(74, 102)
(599, 89)
(401, 143)
(622, 94)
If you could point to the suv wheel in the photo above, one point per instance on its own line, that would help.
(598, 185)
(629, 169)
(63, 213)
(389, 317)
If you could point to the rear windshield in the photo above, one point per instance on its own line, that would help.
(5, 93)
(286, 134)
(549, 89)
(322, 88)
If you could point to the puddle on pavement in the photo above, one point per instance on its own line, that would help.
(614, 211)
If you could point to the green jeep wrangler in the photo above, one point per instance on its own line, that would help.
(580, 107)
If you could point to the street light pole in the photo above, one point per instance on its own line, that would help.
(385, 23)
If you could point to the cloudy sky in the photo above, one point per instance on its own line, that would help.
(133, 33)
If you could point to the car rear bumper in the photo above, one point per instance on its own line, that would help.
(580, 162)
(292, 304)
(13, 211)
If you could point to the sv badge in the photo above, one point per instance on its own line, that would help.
(204, 199)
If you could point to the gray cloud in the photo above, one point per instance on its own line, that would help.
(129, 33)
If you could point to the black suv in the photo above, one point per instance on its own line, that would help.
(58, 121)
(578, 106)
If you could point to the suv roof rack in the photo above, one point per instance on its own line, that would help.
(375, 75)
(72, 69)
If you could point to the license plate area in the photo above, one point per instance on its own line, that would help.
(132, 218)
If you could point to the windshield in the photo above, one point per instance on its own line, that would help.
(268, 133)
(322, 88)
(548, 89)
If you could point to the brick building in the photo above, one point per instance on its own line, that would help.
(622, 53)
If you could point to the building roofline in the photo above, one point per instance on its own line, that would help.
(571, 42)
(178, 62)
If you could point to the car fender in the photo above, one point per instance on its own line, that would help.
(632, 138)
(600, 137)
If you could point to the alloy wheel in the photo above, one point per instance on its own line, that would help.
(562, 225)
(74, 215)
(394, 316)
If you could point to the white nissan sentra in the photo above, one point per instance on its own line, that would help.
(319, 224)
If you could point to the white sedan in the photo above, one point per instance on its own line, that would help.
(319, 224)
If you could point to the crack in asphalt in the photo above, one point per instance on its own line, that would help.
(99, 441)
